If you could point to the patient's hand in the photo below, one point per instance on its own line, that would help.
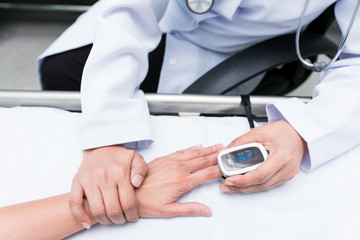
(171, 176)
(286, 147)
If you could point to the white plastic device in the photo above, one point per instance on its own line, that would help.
(241, 159)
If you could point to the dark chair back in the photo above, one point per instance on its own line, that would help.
(276, 58)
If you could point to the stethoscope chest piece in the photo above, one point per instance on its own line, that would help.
(200, 6)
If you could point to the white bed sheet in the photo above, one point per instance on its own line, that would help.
(40, 153)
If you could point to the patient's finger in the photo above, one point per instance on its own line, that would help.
(187, 209)
(182, 151)
(76, 204)
(203, 162)
(96, 205)
(112, 205)
(197, 152)
(189, 153)
(204, 175)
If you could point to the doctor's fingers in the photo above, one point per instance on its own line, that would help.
(128, 201)
(139, 169)
(76, 204)
(112, 204)
(279, 164)
(264, 177)
(96, 204)
(254, 135)
(254, 188)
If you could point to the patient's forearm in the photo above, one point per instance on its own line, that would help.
(49, 218)
(168, 178)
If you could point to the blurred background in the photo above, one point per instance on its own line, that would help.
(27, 28)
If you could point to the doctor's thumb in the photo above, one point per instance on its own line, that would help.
(251, 136)
(139, 169)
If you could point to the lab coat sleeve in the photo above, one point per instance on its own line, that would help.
(114, 110)
(329, 123)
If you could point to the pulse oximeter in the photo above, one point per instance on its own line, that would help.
(241, 159)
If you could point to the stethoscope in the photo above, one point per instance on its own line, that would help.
(204, 6)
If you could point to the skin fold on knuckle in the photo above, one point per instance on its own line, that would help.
(214, 172)
(209, 173)
(114, 213)
(211, 159)
(100, 175)
(260, 177)
(196, 153)
(129, 205)
(192, 211)
(140, 165)
(178, 165)
(133, 218)
(120, 173)
(98, 212)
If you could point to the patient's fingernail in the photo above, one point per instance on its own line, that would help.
(219, 146)
(85, 225)
(229, 183)
(200, 146)
(206, 212)
(137, 180)
(225, 190)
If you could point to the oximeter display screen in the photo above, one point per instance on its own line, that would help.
(243, 155)
(242, 158)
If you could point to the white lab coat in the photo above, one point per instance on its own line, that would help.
(124, 32)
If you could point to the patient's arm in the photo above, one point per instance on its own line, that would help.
(49, 218)
(168, 178)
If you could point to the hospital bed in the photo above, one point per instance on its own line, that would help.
(46, 5)
(40, 153)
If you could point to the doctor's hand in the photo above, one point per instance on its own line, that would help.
(286, 148)
(107, 177)
(171, 176)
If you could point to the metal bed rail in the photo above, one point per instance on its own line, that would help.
(159, 104)
(44, 7)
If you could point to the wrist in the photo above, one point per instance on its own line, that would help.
(299, 139)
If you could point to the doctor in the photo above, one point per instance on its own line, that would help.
(107, 50)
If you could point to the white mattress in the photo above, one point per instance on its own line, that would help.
(40, 153)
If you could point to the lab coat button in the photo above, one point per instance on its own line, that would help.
(172, 61)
